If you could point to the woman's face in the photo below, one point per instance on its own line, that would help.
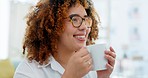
(74, 38)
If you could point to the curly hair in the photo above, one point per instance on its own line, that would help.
(45, 25)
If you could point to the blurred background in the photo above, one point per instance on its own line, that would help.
(124, 26)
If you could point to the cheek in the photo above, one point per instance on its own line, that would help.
(67, 35)
(69, 29)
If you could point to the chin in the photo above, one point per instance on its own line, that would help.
(79, 46)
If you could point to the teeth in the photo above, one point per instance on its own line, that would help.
(81, 37)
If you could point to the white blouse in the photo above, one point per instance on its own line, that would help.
(53, 69)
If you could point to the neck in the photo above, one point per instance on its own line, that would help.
(63, 55)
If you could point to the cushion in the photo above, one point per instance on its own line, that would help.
(6, 69)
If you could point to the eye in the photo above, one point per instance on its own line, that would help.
(75, 19)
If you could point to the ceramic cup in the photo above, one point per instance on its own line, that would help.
(97, 54)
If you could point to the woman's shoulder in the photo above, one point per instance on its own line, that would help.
(25, 63)
(25, 69)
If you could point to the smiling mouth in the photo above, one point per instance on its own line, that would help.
(80, 37)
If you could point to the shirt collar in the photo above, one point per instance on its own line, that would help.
(54, 65)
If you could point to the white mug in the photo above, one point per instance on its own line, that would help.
(97, 54)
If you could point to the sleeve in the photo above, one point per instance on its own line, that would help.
(24, 70)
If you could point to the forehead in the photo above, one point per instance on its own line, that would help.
(77, 9)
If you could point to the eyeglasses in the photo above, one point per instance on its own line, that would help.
(77, 20)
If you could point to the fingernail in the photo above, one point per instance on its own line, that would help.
(106, 51)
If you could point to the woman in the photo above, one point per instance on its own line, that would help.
(56, 36)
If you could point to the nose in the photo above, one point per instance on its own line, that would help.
(83, 26)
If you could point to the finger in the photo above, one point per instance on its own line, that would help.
(110, 59)
(87, 57)
(90, 61)
(88, 64)
(110, 53)
(90, 67)
(82, 52)
(109, 67)
(111, 49)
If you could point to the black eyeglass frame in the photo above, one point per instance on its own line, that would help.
(83, 19)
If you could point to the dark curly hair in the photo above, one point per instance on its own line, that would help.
(45, 25)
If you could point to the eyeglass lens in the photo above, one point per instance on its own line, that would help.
(78, 20)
